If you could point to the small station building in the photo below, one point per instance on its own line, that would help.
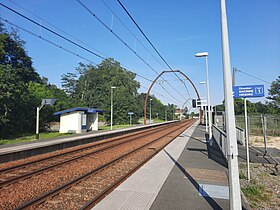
(78, 120)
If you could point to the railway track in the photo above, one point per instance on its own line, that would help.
(28, 169)
(113, 161)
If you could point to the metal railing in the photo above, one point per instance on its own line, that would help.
(255, 124)
(240, 135)
(221, 138)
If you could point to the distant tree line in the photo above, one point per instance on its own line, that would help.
(22, 89)
(91, 86)
(270, 107)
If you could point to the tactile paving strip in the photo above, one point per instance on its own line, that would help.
(137, 201)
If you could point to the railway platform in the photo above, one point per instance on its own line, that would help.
(187, 174)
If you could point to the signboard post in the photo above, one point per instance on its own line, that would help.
(47, 102)
(248, 91)
(130, 113)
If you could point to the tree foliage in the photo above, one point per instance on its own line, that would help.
(21, 88)
(93, 89)
(274, 96)
(269, 107)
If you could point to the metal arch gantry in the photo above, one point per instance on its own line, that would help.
(173, 71)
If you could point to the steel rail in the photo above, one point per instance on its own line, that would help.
(79, 179)
(76, 150)
(47, 168)
(99, 197)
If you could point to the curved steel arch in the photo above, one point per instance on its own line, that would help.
(148, 93)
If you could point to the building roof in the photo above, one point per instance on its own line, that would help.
(86, 110)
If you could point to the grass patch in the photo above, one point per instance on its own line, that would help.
(242, 175)
(108, 127)
(27, 138)
(158, 120)
(256, 194)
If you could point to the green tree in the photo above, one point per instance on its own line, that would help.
(274, 96)
(12, 53)
(93, 89)
(22, 89)
(261, 108)
(37, 92)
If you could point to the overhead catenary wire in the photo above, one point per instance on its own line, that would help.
(168, 92)
(121, 40)
(111, 10)
(117, 36)
(38, 36)
(52, 31)
(130, 16)
(59, 29)
(152, 91)
(253, 76)
(61, 36)
(48, 41)
(65, 49)
(71, 52)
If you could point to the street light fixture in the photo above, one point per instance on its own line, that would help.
(206, 124)
(205, 54)
(113, 87)
(45, 102)
(151, 110)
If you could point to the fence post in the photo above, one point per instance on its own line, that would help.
(249, 125)
(264, 133)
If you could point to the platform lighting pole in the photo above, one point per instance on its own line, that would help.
(205, 54)
(206, 124)
(113, 87)
(48, 102)
(151, 110)
(232, 153)
(37, 121)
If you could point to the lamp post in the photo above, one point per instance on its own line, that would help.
(151, 110)
(49, 102)
(113, 87)
(232, 151)
(206, 126)
(205, 54)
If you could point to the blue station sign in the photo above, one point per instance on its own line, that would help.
(248, 91)
(130, 113)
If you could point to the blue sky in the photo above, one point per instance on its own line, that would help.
(178, 29)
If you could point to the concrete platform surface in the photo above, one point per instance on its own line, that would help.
(186, 174)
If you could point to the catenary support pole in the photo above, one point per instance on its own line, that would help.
(232, 156)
